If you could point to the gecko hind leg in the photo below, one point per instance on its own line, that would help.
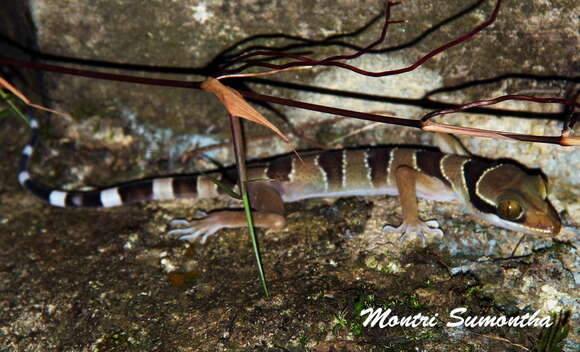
(217, 220)
(268, 213)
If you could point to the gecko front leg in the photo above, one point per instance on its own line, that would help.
(407, 179)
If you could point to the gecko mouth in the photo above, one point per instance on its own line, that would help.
(544, 227)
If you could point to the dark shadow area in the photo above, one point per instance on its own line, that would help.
(16, 23)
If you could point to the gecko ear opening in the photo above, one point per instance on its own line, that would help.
(542, 186)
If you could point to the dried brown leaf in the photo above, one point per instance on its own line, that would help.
(237, 106)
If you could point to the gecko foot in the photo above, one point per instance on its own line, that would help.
(192, 230)
(417, 230)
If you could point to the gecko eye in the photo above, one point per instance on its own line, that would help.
(510, 209)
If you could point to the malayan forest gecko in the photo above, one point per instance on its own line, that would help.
(502, 193)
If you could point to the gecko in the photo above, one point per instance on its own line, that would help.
(500, 192)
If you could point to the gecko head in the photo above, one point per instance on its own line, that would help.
(528, 213)
(520, 201)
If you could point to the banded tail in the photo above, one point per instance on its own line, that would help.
(160, 188)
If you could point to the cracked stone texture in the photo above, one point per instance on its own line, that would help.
(109, 280)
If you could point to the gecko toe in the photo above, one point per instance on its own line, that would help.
(433, 224)
(201, 214)
(191, 237)
(180, 232)
(196, 229)
(416, 230)
(209, 233)
(392, 228)
(178, 222)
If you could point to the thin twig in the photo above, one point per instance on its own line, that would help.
(497, 100)
(304, 61)
(330, 59)
(261, 74)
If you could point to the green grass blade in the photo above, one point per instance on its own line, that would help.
(223, 187)
(255, 247)
(240, 153)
